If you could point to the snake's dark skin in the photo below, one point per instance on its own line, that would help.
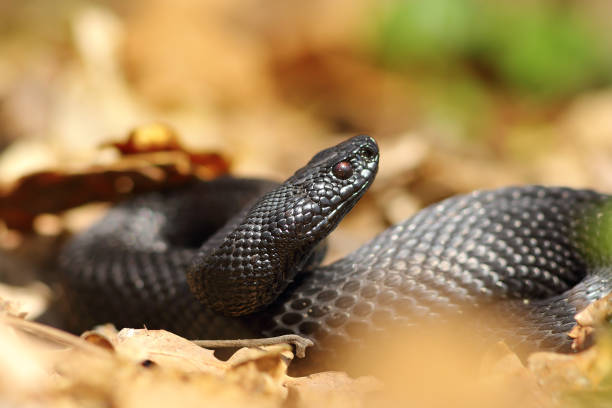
(221, 259)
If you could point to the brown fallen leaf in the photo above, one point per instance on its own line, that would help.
(331, 388)
(272, 360)
(501, 369)
(64, 370)
(150, 138)
(155, 166)
(157, 137)
(119, 382)
(23, 376)
(258, 369)
(593, 318)
(165, 388)
(558, 372)
(10, 308)
(104, 336)
(24, 301)
(589, 370)
(157, 346)
(262, 368)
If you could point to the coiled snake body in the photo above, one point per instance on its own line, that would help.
(240, 258)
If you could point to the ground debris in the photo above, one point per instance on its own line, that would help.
(502, 369)
(331, 388)
(593, 318)
(583, 379)
(157, 347)
(150, 159)
(141, 367)
(24, 301)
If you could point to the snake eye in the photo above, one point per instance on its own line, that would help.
(343, 170)
(367, 153)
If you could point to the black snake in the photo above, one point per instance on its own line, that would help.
(240, 258)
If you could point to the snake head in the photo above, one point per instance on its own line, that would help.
(261, 252)
(331, 183)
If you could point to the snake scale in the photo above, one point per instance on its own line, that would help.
(234, 258)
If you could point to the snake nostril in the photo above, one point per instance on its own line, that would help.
(367, 153)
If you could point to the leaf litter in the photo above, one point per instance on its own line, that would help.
(139, 367)
(169, 57)
(44, 366)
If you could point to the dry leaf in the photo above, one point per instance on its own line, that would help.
(102, 336)
(159, 388)
(272, 360)
(158, 164)
(24, 373)
(24, 301)
(330, 388)
(593, 317)
(11, 308)
(64, 369)
(582, 371)
(166, 349)
(501, 369)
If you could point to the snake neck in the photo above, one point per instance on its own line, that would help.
(251, 260)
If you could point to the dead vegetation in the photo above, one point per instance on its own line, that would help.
(254, 90)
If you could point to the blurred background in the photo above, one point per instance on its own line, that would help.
(460, 94)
